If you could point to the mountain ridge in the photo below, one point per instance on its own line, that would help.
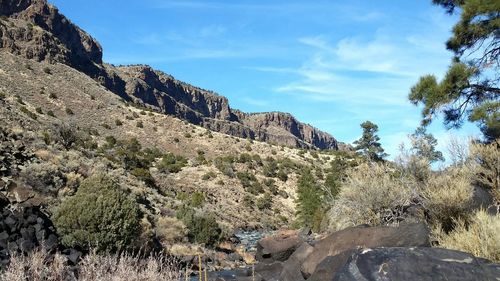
(50, 36)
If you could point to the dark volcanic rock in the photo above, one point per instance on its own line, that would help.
(406, 235)
(278, 247)
(415, 264)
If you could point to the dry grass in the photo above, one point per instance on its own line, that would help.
(39, 266)
(488, 159)
(369, 190)
(448, 195)
(481, 237)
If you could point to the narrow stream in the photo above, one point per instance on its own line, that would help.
(249, 239)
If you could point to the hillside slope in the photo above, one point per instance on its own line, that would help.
(36, 30)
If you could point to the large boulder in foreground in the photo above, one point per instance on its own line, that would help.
(406, 235)
(291, 268)
(415, 264)
(278, 247)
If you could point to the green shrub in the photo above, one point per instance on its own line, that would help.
(171, 163)
(209, 175)
(264, 202)
(245, 158)
(282, 175)
(201, 228)
(197, 199)
(270, 168)
(29, 113)
(144, 175)
(100, 215)
(225, 165)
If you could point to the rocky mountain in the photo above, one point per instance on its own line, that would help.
(38, 31)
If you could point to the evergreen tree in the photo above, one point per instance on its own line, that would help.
(309, 198)
(424, 145)
(470, 89)
(369, 144)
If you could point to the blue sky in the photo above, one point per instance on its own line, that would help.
(332, 64)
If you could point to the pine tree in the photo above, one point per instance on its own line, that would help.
(309, 198)
(424, 145)
(470, 89)
(369, 144)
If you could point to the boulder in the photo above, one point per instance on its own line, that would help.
(278, 247)
(330, 265)
(405, 235)
(415, 264)
(291, 267)
(269, 271)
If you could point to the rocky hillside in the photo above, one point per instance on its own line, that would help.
(36, 30)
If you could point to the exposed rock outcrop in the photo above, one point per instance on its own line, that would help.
(36, 30)
(415, 264)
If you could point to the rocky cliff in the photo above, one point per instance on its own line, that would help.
(36, 30)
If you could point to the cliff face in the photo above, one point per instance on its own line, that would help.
(36, 30)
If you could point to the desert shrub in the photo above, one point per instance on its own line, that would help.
(106, 126)
(51, 113)
(256, 158)
(43, 266)
(47, 70)
(202, 228)
(209, 175)
(282, 175)
(28, 112)
(448, 195)
(264, 202)
(187, 135)
(248, 201)
(225, 165)
(176, 140)
(197, 199)
(487, 158)
(314, 154)
(144, 175)
(270, 184)
(39, 110)
(110, 141)
(43, 177)
(255, 188)
(66, 135)
(69, 111)
(171, 163)
(2, 96)
(248, 147)
(53, 95)
(135, 115)
(369, 190)
(170, 230)
(19, 100)
(100, 215)
(118, 122)
(139, 124)
(200, 156)
(270, 168)
(245, 158)
(480, 237)
(246, 178)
